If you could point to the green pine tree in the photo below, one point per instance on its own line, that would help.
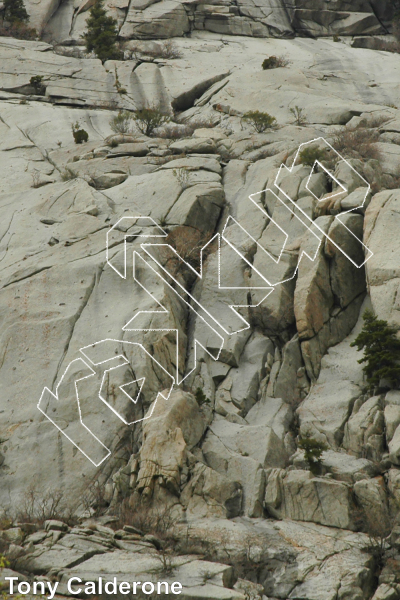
(102, 34)
(14, 11)
(381, 350)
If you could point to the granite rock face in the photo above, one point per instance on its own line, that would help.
(179, 308)
(146, 19)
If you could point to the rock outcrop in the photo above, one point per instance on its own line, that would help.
(177, 310)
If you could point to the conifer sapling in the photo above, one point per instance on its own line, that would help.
(15, 11)
(102, 34)
(381, 350)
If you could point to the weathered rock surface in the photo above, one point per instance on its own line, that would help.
(249, 369)
(299, 496)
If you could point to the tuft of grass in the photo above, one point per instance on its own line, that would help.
(68, 174)
(300, 116)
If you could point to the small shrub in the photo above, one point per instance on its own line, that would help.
(336, 38)
(149, 119)
(144, 518)
(122, 122)
(274, 62)
(357, 142)
(300, 116)
(167, 49)
(381, 350)
(19, 31)
(120, 88)
(37, 508)
(68, 174)
(378, 526)
(313, 450)
(37, 83)
(102, 34)
(166, 561)
(206, 575)
(36, 178)
(80, 135)
(260, 121)
(114, 144)
(188, 243)
(201, 398)
(309, 155)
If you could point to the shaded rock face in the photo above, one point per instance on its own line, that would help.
(146, 19)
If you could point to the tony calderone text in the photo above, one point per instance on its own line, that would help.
(76, 586)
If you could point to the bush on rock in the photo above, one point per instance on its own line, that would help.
(308, 156)
(260, 121)
(274, 62)
(149, 119)
(80, 135)
(381, 350)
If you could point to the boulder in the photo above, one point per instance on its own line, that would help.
(313, 297)
(319, 19)
(391, 414)
(198, 145)
(210, 493)
(371, 496)
(357, 201)
(383, 273)
(271, 412)
(347, 468)
(247, 376)
(339, 325)
(129, 149)
(389, 158)
(394, 447)
(241, 452)
(176, 426)
(144, 565)
(108, 180)
(164, 19)
(363, 433)
(291, 382)
(225, 439)
(385, 592)
(299, 496)
(324, 413)
(216, 133)
(198, 207)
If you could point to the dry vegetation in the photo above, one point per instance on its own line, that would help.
(167, 50)
(357, 142)
(188, 243)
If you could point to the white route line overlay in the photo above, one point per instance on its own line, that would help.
(93, 372)
(141, 221)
